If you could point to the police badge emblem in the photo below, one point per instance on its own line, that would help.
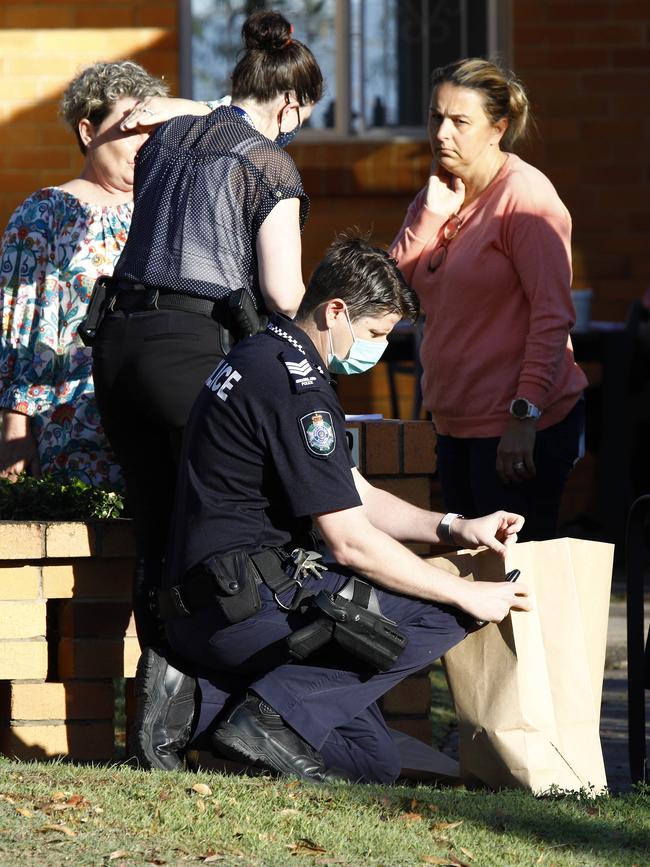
(319, 433)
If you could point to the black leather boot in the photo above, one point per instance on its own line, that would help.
(255, 734)
(164, 712)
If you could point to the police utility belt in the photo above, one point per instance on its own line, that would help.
(236, 313)
(350, 619)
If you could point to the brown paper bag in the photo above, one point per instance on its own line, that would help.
(527, 691)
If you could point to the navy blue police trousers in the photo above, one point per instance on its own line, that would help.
(330, 702)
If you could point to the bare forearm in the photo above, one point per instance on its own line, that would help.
(15, 425)
(370, 551)
(399, 519)
(403, 521)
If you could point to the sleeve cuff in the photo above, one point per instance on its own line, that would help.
(426, 224)
(533, 392)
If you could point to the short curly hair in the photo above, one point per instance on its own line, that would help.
(93, 93)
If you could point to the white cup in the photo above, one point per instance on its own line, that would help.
(582, 304)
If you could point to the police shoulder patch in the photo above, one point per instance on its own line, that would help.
(319, 434)
(302, 375)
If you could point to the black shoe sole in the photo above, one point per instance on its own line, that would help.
(151, 705)
(230, 744)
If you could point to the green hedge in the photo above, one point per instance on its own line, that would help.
(48, 498)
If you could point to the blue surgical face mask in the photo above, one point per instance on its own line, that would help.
(363, 354)
(285, 138)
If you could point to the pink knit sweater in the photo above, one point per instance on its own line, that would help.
(498, 309)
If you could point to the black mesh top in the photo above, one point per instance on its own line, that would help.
(203, 188)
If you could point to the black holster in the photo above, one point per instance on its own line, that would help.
(89, 325)
(244, 319)
(228, 581)
(353, 620)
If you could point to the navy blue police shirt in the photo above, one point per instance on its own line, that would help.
(264, 449)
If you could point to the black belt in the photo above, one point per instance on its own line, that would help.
(135, 297)
(197, 591)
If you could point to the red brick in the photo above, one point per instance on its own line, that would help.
(577, 58)
(95, 619)
(631, 57)
(569, 10)
(632, 10)
(609, 34)
(410, 696)
(382, 447)
(539, 34)
(419, 447)
(530, 10)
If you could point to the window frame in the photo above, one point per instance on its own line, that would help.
(499, 47)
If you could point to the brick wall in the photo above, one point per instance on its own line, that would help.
(42, 46)
(586, 65)
(66, 632)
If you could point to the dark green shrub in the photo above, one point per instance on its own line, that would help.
(48, 498)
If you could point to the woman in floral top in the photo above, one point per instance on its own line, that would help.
(57, 242)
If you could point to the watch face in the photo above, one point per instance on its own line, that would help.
(520, 408)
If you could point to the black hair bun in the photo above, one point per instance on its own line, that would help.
(266, 31)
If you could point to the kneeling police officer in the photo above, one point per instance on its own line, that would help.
(292, 649)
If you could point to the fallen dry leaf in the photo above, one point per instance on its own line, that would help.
(62, 829)
(200, 805)
(76, 801)
(201, 789)
(435, 859)
(446, 826)
(306, 847)
(289, 811)
(58, 796)
(410, 817)
(467, 853)
(118, 853)
(23, 811)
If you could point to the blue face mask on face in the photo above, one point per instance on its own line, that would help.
(363, 354)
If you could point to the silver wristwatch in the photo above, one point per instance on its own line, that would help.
(444, 527)
(521, 408)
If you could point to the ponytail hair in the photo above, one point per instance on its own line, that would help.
(273, 62)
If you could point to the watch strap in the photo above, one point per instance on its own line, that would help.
(444, 527)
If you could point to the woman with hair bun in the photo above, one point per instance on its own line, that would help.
(214, 244)
(486, 244)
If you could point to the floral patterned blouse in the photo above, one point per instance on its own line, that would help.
(53, 249)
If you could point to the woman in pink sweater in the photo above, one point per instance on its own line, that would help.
(486, 244)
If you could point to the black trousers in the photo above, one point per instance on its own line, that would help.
(148, 367)
(470, 484)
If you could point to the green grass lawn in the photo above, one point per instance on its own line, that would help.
(56, 813)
